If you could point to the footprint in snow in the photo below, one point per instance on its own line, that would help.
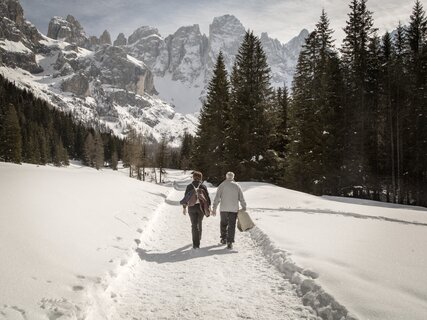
(57, 308)
(78, 288)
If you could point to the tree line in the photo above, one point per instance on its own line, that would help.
(142, 157)
(354, 124)
(32, 131)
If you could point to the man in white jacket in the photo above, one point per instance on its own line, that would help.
(229, 194)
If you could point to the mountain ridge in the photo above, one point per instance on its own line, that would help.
(139, 82)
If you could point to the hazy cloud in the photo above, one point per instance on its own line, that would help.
(282, 19)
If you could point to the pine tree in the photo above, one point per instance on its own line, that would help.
(274, 161)
(114, 160)
(43, 146)
(11, 141)
(162, 155)
(209, 143)
(399, 101)
(355, 55)
(280, 117)
(375, 119)
(98, 155)
(142, 157)
(300, 163)
(247, 139)
(416, 35)
(186, 149)
(60, 156)
(315, 118)
(89, 150)
(132, 151)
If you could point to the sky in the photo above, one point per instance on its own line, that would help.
(281, 19)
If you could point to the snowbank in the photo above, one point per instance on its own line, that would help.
(368, 256)
(64, 231)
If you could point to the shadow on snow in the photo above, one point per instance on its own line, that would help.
(182, 254)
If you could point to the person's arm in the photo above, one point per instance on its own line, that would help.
(187, 190)
(217, 197)
(242, 199)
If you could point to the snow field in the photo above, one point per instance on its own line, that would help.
(64, 231)
(76, 243)
(369, 256)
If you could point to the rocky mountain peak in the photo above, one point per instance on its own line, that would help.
(187, 47)
(19, 39)
(105, 38)
(146, 44)
(293, 47)
(227, 22)
(69, 30)
(121, 40)
(225, 33)
(142, 33)
(75, 24)
(188, 30)
(12, 10)
(299, 39)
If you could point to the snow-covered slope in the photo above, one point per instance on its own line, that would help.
(63, 231)
(100, 84)
(77, 243)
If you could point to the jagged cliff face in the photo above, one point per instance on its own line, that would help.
(182, 62)
(225, 34)
(282, 58)
(99, 83)
(18, 38)
(147, 45)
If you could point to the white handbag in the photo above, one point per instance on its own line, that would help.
(244, 221)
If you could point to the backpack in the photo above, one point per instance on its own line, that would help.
(197, 195)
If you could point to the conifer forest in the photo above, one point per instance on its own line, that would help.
(354, 122)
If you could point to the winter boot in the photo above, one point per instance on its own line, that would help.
(230, 245)
(223, 241)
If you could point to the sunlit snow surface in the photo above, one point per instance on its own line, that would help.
(370, 256)
(68, 238)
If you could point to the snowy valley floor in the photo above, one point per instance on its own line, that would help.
(81, 244)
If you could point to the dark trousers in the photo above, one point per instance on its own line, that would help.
(196, 217)
(228, 225)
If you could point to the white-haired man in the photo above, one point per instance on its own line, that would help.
(229, 194)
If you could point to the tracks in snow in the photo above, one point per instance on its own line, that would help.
(167, 279)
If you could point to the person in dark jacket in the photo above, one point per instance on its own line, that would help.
(194, 209)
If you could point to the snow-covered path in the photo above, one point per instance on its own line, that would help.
(69, 251)
(167, 279)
